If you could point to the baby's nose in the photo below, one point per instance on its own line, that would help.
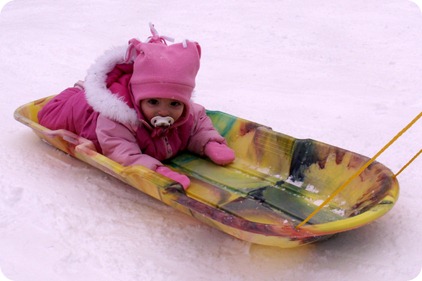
(163, 112)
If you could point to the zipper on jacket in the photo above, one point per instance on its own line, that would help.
(169, 150)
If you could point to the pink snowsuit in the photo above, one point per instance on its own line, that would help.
(102, 109)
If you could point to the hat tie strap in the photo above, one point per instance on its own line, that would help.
(156, 38)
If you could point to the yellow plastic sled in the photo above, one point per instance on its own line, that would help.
(275, 182)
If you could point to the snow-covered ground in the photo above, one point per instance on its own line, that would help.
(348, 73)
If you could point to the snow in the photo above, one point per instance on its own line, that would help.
(347, 73)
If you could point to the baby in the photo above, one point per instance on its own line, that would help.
(135, 106)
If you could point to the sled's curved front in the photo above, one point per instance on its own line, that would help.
(275, 182)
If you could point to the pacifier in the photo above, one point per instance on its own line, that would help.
(160, 121)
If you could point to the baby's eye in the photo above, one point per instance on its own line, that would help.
(175, 103)
(153, 101)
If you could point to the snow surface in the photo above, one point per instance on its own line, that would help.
(347, 73)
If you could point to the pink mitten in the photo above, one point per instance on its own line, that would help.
(219, 153)
(182, 179)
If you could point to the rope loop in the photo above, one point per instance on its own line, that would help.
(358, 172)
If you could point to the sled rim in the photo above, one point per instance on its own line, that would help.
(307, 234)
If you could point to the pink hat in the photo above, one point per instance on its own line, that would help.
(162, 71)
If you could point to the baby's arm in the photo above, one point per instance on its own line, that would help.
(119, 144)
(205, 139)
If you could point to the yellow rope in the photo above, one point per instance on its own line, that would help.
(408, 163)
(358, 172)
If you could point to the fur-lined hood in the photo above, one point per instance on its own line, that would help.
(151, 70)
(109, 81)
(116, 106)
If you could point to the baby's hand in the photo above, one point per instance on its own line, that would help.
(219, 153)
(182, 179)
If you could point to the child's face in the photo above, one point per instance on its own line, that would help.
(162, 107)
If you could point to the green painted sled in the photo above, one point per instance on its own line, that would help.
(275, 182)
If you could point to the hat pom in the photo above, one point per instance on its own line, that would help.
(132, 51)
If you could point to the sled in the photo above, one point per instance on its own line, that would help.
(275, 182)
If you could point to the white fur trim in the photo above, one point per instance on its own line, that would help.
(99, 96)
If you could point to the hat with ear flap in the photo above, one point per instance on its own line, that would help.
(163, 71)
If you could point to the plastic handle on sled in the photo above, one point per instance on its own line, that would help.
(65, 135)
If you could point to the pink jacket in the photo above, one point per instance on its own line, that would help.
(102, 111)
